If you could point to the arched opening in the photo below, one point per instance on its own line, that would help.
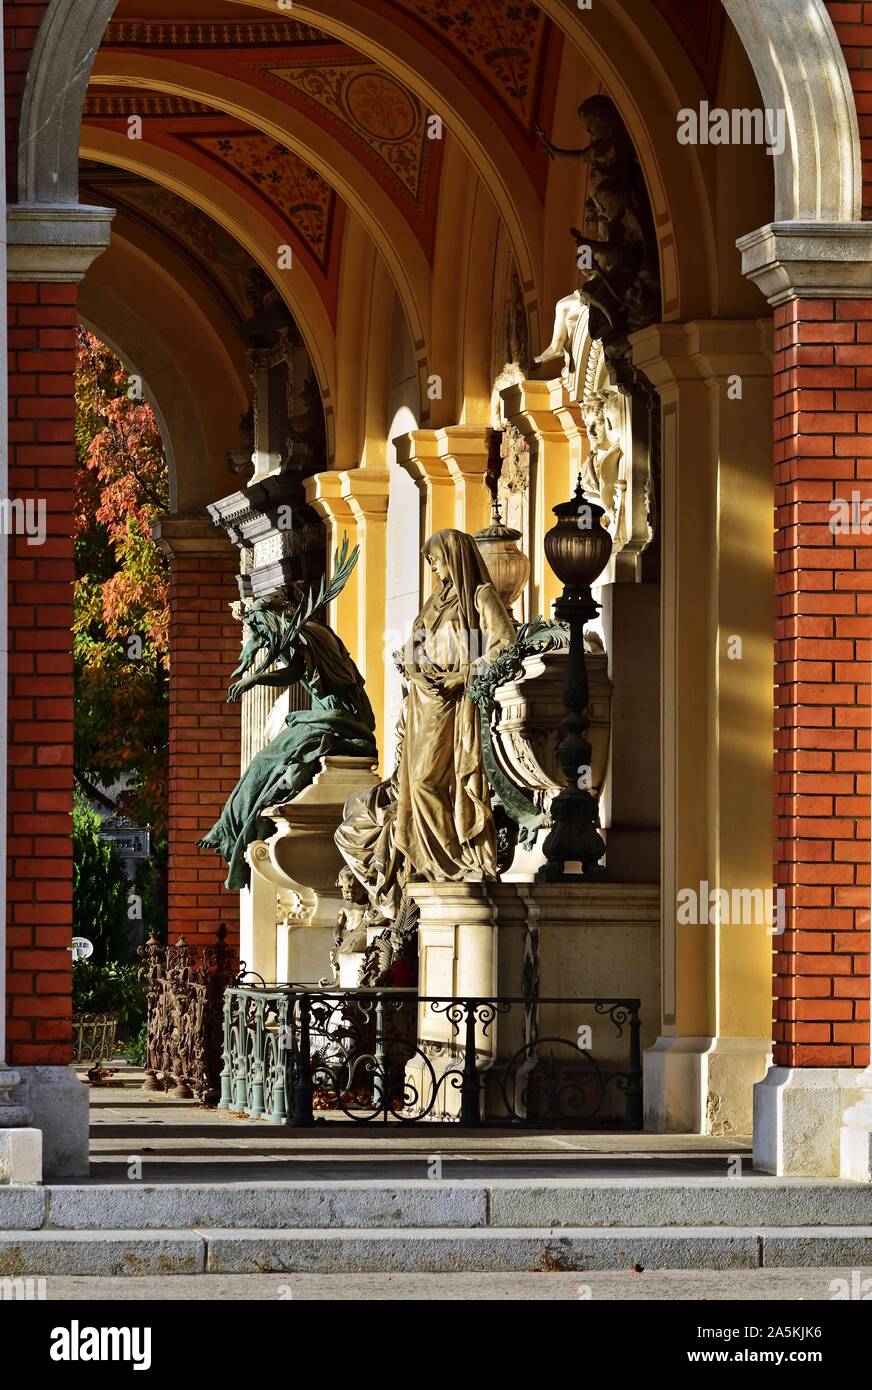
(340, 235)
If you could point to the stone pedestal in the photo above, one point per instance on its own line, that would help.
(801, 1119)
(575, 940)
(855, 1138)
(291, 907)
(702, 1085)
(43, 1124)
(457, 958)
(20, 1143)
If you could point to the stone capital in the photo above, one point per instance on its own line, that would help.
(190, 535)
(324, 494)
(55, 242)
(809, 260)
(543, 408)
(367, 492)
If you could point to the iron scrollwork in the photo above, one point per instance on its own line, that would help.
(297, 1054)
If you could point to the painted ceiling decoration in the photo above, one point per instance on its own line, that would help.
(298, 193)
(143, 33)
(107, 104)
(369, 111)
(503, 42)
(377, 111)
(510, 47)
(699, 24)
(215, 256)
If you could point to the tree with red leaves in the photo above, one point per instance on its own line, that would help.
(121, 622)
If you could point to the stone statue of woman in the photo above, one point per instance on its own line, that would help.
(339, 723)
(444, 826)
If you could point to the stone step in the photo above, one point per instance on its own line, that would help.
(436, 1250)
(656, 1203)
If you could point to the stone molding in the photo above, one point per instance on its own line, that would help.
(190, 535)
(809, 260)
(55, 242)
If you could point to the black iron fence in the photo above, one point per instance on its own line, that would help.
(294, 1054)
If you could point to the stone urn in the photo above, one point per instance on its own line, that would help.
(508, 567)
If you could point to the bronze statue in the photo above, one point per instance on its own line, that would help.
(621, 283)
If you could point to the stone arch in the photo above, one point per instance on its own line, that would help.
(358, 189)
(54, 95)
(251, 230)
(818, 177)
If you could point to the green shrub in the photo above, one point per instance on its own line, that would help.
(100, 888)
(109, 989)
(136, 1048)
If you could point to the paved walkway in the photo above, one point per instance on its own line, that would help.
(690, 1285)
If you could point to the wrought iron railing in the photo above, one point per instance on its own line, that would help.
(292, 1051)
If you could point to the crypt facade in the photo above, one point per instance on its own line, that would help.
(385, 279)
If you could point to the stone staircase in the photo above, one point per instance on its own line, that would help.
(418, 1225)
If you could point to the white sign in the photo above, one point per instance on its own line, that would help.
(82, 948)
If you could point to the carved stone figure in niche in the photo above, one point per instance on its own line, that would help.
(621, 284)
(306, 428)
(340, 721)
(566, 316)
(444, 824)
(349, 933)
(600, 472)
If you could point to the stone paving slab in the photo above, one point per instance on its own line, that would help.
(109, 1253)
(423, 1250)
(22, 1208)
(597, 1286)
(435, 1251)
(512, 1202)
(372, 1204)
(746, 1201)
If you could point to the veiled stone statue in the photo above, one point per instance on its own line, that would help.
(444, 824)
(339, 723)
(432, 818)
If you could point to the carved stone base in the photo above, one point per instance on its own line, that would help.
(457, 957)
(286, 931)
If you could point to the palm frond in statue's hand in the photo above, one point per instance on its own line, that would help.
(343, 564)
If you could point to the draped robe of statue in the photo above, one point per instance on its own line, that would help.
(339, 723)
(444, 825)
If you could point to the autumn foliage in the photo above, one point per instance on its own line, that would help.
(121, 624)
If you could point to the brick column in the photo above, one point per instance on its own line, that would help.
(823, 626)
(818, 277)
(49, 250)
(42, 319)
(204, 728)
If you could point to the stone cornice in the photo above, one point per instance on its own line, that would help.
(190, 535)
(703, 350)
(809, 260)
(55, 243)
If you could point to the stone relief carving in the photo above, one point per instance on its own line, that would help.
(614, 474)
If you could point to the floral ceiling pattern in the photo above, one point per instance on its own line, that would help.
(298, 193)
(378, 112)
